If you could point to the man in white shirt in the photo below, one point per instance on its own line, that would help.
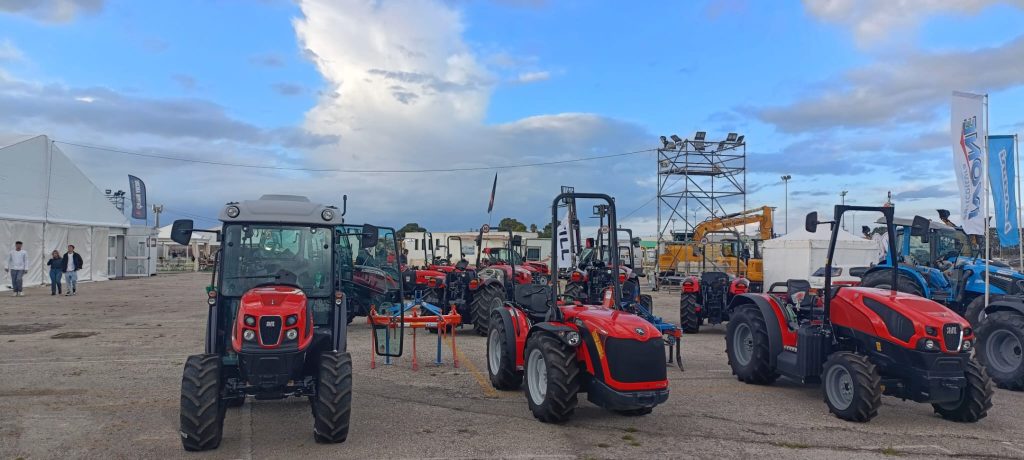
(17, 264)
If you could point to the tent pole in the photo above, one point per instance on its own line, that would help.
(46, 204)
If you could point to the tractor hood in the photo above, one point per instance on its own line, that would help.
(919, 310)
(612, 323)
(537, 267)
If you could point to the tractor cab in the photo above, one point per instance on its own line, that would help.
(275, 319)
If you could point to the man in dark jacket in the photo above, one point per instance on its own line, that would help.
(72, 262)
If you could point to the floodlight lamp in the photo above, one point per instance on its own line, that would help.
(700, 135)
(739, 140)
(731, 137)
(676, 139)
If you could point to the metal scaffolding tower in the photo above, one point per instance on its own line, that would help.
(696, 180)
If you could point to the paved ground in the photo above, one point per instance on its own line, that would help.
(110, 389)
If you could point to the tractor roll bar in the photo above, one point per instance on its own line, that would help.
(613, 241)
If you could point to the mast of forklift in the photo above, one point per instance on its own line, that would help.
(612, 239)
(890, 228)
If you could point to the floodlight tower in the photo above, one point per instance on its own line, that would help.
(698, 175)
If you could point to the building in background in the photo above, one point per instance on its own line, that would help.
(48, 203)
(534, 248)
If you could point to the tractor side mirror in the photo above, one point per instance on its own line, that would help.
(517, 240)
(811, 223)
(369, 237)
(181, 231)
(920, 228)
(636, 242)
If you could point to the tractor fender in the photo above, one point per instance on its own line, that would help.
(914, 275)
(771, 321)
(515, 323)
(1006, 303)
(556, 329)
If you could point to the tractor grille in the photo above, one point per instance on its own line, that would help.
(631, 361)
(952, 335)
(270, 330)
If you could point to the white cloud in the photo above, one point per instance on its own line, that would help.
(900, 89)
(51, 10)
(533, 77)
(872, 21)
(9, 52)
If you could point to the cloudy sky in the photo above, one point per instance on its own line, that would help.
(841, 94)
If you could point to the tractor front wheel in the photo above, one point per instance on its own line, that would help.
(332, 404)
(689, 321)
(501, 359)
(975, 311)
(552, 378)
(489, 299)
(202, 409)
(1000, 347)
(747, 346)
(975, 401)
(852, 387)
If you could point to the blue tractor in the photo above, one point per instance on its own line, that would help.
(937, 261)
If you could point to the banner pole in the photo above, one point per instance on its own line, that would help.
(984, 182)
(1016, 156)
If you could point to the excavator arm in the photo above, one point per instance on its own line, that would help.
(761, 216)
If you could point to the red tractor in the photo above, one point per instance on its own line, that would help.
(859, 343)
(276, 319)
(492, 286)
(563, 349)
(706, 299)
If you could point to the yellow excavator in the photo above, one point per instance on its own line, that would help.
(742, 256)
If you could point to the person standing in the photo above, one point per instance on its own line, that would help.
(56, 264)
(17, 264)
(72, 264)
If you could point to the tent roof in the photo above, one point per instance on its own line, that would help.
(39, 183)
(823, 235)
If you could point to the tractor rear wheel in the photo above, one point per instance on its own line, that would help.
(882, 279)
(1000, 347)
(501, 359)
(202, 409)
(490, 298)
(552, 378)
(975, 401)
(688, 319)
(975, 311)
(574, 290)
(852, 386)
(332, 404)
(746, 345)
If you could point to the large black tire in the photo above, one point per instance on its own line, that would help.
(332, 405)
(551, 390)
(488, 299)
(974, 313)
(746, 345)
(202, 409)
(574, 290)
(975, 401)
(689, 322)
(1000, 340)
(851, 386)
(882, 279)
(501, 360)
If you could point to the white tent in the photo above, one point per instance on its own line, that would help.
(798, 254)
(48, 203)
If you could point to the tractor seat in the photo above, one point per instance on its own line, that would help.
(795, 286)
(534, 299)
(713, 278)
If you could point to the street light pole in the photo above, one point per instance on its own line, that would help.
(785, 183)
(842, 197)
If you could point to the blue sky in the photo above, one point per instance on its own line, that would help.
(842, 95)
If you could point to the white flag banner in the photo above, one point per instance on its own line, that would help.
(564, 235)
(967, 127)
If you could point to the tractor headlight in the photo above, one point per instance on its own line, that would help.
(327, 214)
(292, 334)
(927, 345)
(291, 320)
(250, 321)
(232, 211)
(967, 345)
(572, 338)
(248, 335)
